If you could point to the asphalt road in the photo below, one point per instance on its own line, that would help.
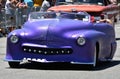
(109, 70)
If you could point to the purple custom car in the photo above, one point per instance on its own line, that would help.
(61, 37)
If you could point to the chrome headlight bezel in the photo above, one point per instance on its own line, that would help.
(14, 39)
(81, 41)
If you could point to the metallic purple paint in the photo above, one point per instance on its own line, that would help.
(60, 35)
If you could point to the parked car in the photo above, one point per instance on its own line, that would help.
(98, 9)
(61, 37)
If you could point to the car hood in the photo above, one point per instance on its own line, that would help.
(53, 29)
(84, 7)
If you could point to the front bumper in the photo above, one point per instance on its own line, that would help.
(46, 53)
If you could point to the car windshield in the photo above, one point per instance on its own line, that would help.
(63, 2)
(59, 15)
(41, 15)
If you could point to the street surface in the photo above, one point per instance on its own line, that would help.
(109, 70)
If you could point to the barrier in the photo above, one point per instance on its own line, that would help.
(11, 22)
(3, 28)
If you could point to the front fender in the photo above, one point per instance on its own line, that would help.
(92, 35)
(11, 47)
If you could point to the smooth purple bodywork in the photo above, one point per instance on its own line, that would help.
(55, 40)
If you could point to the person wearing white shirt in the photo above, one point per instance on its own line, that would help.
(45, 6)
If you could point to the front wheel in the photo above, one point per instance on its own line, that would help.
(14, 64)
(96, 54)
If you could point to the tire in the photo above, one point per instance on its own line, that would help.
(14, 64)
(96, 53)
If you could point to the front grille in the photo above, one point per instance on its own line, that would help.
(47, 51)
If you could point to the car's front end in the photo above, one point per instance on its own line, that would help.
(59, 40)
(53, 43)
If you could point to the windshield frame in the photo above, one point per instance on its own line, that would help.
(83, 16)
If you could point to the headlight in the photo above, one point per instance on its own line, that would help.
(14, 39)
(81, 41)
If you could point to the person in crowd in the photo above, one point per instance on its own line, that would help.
(106, 21)
(0, 6)
(21, 13)
(52, 2)
(22, 5)
(0, 11)
(37, 4)
(21, 1)
(45, 5)
(10, 8)
(2, 3)
(29, 3)
(113, 1)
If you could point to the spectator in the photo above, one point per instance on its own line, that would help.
(106, 21)
(45, 6)
(113, 1)
(22, 5)
(3, 3)
(29, 3)
(0, 5)
(0, 11)
(10, 8)
(52, 2)
(21, 1)
(37, 4)
(21, 13)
